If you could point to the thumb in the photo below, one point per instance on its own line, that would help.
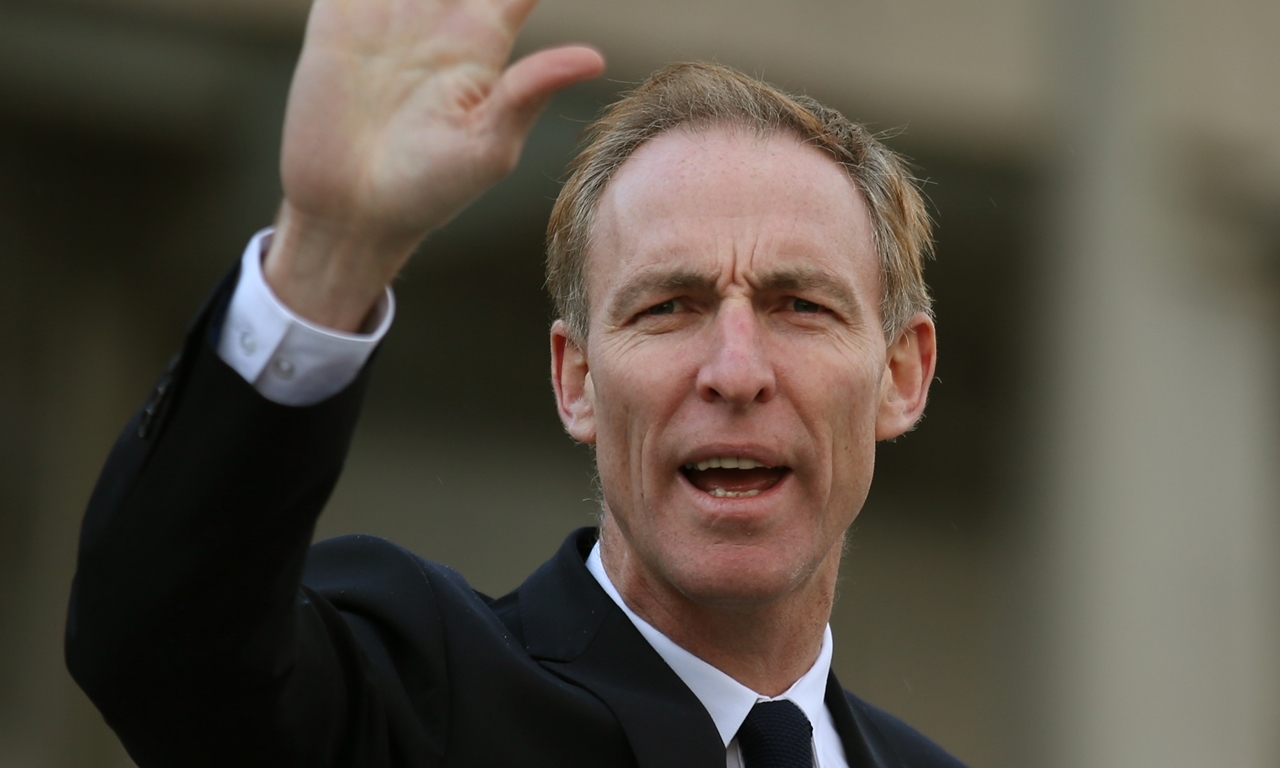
(527, 86)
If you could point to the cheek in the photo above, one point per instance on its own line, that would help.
(639, 387)
(846, 391)
(611, 434)
(622, 419)
(841, 410)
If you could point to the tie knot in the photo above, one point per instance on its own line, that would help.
(776, 734)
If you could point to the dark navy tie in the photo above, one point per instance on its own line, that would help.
(776, 734)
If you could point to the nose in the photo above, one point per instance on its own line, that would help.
(737, 369)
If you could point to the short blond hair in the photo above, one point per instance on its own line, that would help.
(700, 95)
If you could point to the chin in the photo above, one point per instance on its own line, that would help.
(736, 575)
(747, 558)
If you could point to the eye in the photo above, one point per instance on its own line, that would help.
(668, 307)
(804, 306)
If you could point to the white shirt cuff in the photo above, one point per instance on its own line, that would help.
(287, 359)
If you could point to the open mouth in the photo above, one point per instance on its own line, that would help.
(733, 477)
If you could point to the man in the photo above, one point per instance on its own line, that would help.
(742, 318)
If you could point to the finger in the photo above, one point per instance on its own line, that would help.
(526, 86)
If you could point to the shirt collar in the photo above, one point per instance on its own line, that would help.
(726, 700)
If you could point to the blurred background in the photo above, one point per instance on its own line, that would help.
(1074, 561)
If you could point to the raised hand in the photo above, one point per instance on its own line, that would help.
(401, 113)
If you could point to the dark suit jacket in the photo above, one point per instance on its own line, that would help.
(208, 634)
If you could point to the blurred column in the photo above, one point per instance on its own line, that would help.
(1158, 504)
(87, 377)
(136, 157)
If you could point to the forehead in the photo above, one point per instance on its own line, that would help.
(725, 197)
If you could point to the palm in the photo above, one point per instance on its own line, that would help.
(401, 113)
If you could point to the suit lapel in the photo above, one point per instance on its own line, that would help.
(573, 628)
(863, 747)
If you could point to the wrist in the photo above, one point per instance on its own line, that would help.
(332, 273)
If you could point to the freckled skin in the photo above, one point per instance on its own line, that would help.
(735, 299)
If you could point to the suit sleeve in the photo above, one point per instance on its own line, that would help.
(187, 626)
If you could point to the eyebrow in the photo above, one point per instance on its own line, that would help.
(658, 281)
(799, 280)
(805, 280)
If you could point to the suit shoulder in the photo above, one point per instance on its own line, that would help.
(383, 590)
(913, 748)
(354, 560)
(370, 574)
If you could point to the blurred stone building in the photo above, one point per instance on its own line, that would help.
(1074, 561)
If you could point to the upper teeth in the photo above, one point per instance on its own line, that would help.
(727, 462)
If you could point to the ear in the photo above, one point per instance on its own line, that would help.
(909, 365)
(571, 379)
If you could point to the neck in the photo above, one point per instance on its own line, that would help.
(767, 645)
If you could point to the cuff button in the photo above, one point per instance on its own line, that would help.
(248, 344)
(283, 368)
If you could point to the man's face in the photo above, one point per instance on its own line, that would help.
(735, 297)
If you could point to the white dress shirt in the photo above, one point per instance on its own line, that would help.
(294, 362)
(727, 700)
(289, 360)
